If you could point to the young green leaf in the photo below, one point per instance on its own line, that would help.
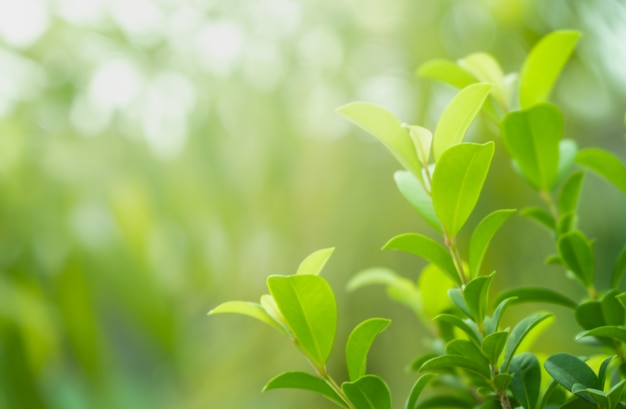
(359, 343)
(591, 395)
(526, 379)
(567, 157)
(540, 216)
(417, 389)
(602, 371)
(536, 294)
(568, 198)
(457, 117)
(493, 344)
(589, 314)
(368, 392)
(464, 326)
(414, 193)
(605, 164)
(544, 64)
(491, 325)
(308, 305)
(532, 138)
(615, 393)
(568, 370)
(445, 401)
(446, 71)
(482, 236)
(434, 286)
(458, 181)
(467, 349)
(614, 332)
(383, 125)
(576, 252)
(426, 248)
(475, 294)
(305, 381)
(619, 269)
(249, 309)
(612, 309)
(315, 262)
(422, 140)
(447, 362)
(520, 331)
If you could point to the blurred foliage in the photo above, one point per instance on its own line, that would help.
(159, 157)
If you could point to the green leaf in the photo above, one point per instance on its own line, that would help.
(315, 262)
(544, 64)
(608, 331)
(434, 285)
(502, 381)
(472, 333)
(576, 252)
(486, 69)
(456, 295)
(493, 344)
(602, 371)
(422, 140)
(444, 401)
(540, 216)
(578, 403)
(492, 324)
(414, 193)
(467, 349)
(567, 222)
(619, 269)
(417, 389)
(446, 71)
(591, 395)
(249, 309)
(526, 379)
(426, 248)
(537, 294)
(368, 392)
(605, 164)
(308, 305)
(359, 343)
(532, 138)
(612, 309)
(306, 381)
(482, 236)
(589, 315)
(520, 331)
(567, 157)
(456, 361)
(384, 126)
(568, 370)
(475, 294)
(399, 288)
(615, 393)
(458, 116)
(457, 182)
(568, 198)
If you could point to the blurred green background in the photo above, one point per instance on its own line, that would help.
(158, 157)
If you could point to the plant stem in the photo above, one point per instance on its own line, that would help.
(547, 197)
(504, 400)
(456, 257)
(331, 382)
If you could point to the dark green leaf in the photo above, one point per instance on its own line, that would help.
(308, 305)
(568, 370)
(568, 198)
(414, 193)
(612, 309)
(520, 331)
(456, 361)
(359, 343)
(540, 216)
(578, 403)
(494, 322)
(315, 262)
(536, 294)
(589, 315)
(368, 392)
(502, 381)
(493, 344)
(426, 248)
(526, 379)
(306, 381)
(481, 237)
(591, 395)
(457, 182)
(417, 364)
(446, 71)
(605, 164)
(444, 401)
(615, 393)
(576, 252)
(619, 269)
(602, 371)
(456, 295)
(475, 294)
(607, 331)
(417, 389)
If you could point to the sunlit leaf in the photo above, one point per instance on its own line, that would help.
(575, 250)
(434, 286)
(305, 381)
(315, 262)
(619, 269)
(568, 370)
(482, 236)
(526, 379)
(359, 343)
(458, 116)
(567, 157)
(605, 164)
(456, 361)
(542, 217)
(308, 305)
(368, 392)
(249, 309)
(602, 371)
(417, 389)
(422, 140)
(414, 193)
(485, 68)
(568, 198)
(536, 294)
(518, 334)
(458, 181)
(544, 64)
(446, 71)
(399, 288)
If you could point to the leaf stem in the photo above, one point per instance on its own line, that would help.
(547, 197)
(323, 373)
(456, 257)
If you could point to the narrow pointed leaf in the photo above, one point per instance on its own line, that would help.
(446, 71)
(568, 198)
(460, 324)
(591, 395)
(422, 140)
(540, 216)
(315, 262)
(602, 371)
(449, 362)
(308, 305)
(605, 164)
(445, 401)
(567, 157)
(532, 138)
(384, 126)
(458, 116)
(615, 393)
(482, 236)
(426, 248)
(568, 370)
(544, 64)
(576, 252)
(518, 334)
(589, 315)
(359, 343)
(467, 349)
(249, 309)
(434, 285)
(456, 295)
(618, 269)
(486, 68)
(458, 181)
(493, 344)
(526, 379)
(305, 381)
(492, 324)
(537, 294)
(475, 294)
(368, 392)
(609, 331)
(414, 193)
(417, 389)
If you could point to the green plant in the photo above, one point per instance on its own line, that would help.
(474, 362)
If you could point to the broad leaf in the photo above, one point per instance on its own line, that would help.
(383, 125)
(448, 362)
(568, 198)
(368, 392)
(467, 349)
(426, 248)
(306, 381)
(532, 138)
(542, 217)
(618, 269)
(446, 71)
(591, 395)
(475, 294)
(544, 64)
(612, 309)
(482, 236)
(518, 334)
(308, 305)
(609, 331)
(359, 343)
(486, 69)
(417, 389)
(414, 193)
(315, 262)
(458, 116)
(445, 401)
(578, 403)
(249, 309)
(493, 344)
(526, 379)
(457, 182)
(605, 164)
(568, 370)
(575, 250)
(589, 315)
(537, 294)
